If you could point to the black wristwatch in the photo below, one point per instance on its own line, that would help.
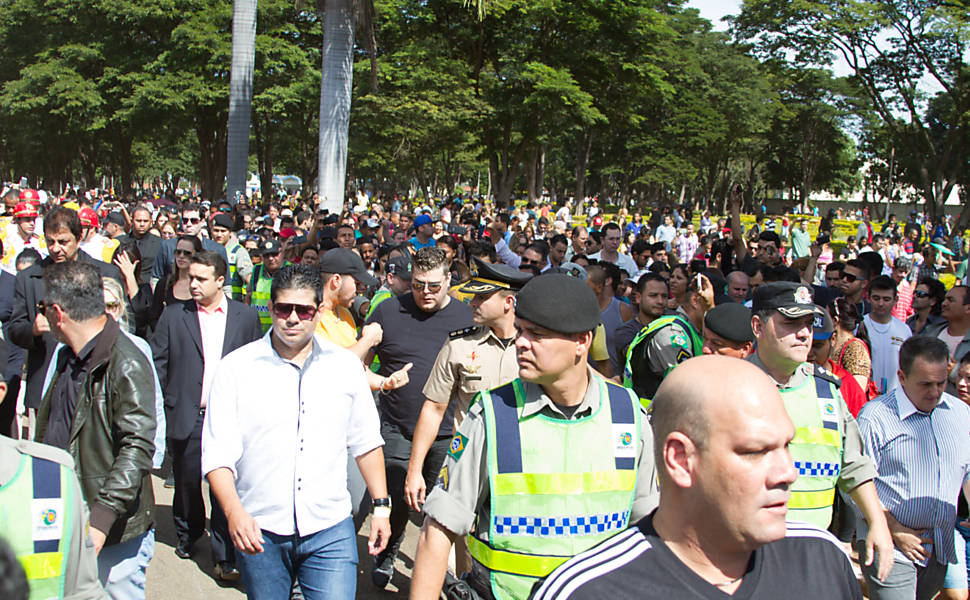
(382, 502)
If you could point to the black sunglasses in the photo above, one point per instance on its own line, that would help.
(283, 310)
(919, 294)
(849, 277)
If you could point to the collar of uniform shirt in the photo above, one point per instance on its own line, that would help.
(590, 401)
(221, 307)
(906, 408)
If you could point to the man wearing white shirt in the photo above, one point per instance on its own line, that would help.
(886, 333)
(610, 253)
(283, 413)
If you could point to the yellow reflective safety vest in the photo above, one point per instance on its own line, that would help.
(237, 283)
(260, 285)
(816, 448)
(557, 487)
(35, 519)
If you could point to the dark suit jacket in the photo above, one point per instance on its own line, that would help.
(28, 291)
(14, 365)
(177, 348)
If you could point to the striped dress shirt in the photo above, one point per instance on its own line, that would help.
(922, 459)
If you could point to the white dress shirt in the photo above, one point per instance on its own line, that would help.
(212, 325)
(284, 432)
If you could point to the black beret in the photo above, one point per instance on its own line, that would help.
(221, 220)
(731, 321)
(558, 303)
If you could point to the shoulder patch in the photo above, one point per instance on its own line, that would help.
(457, 446)
(823, 373)
(683, 355)
(467, 331)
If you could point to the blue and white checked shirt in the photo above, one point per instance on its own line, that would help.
(922, 459)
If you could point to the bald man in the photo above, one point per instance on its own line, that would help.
(738, 286)
(720, 443)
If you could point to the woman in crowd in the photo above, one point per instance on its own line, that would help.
(849, 351)
(127, 257)
(679, 278)
(176, 287)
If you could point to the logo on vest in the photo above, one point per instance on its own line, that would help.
(829, 408)
(625, 446)
(46, 521)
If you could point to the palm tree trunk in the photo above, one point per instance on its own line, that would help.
(335, 88)
(240, 96)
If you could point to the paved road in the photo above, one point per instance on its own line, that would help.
(171, 578)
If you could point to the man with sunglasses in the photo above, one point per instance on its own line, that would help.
(283, 414)
(415, 326)
(261, 281)
(192, 223)
(855, 279)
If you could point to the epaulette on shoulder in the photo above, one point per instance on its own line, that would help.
(467, 331)
(823, 373)
(45, 452)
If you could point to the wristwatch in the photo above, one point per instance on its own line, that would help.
(382, 502)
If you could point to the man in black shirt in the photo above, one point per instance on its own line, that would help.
(415, 326)
(720, 441)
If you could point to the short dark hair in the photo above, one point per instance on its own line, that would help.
(883, 282)
(770, 236)
(929, 348)
(63, 218)
(76, 287)
(297, 277)
(447, 240)
(210, 259)
(28, 256)
(639, 246)
(482, 248)
(966, 292)
(610, 227)
(861, 265)
(429, 258)
(872, 261)
(129, 248)
(190, 207)
(559, 238)
(541, 247)
(835, 265)
(647, 278)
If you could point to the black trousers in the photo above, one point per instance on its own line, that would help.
(8, 409)
(397, 453)
(188, 508)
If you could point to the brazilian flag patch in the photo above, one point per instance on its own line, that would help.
(457, 446)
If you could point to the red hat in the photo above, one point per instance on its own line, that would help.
(88, 217)
(24, 210)
(28, 195)
(287, 232)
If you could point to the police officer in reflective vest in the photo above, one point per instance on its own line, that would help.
(544, 467)
(240, 265)
(667, 341)
(44, 519)
(262, 281)
(827, 448)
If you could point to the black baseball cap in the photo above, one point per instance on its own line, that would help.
(400, 266)
(270, 247)
(346, 262)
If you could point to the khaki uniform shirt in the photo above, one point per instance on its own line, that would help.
(857, 468)
(472, 360)
(462, 491)
(81, 569)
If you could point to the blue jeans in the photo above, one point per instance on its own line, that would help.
(957, 573)
(122, 567)
(325, 564)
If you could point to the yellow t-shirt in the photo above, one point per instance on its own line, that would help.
(338, 327)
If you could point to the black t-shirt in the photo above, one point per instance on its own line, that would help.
(412, 335)
(807, 564)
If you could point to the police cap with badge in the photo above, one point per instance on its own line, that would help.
(487, 277)
(793, 300)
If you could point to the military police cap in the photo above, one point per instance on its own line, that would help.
(731, 321)
(270, 247)
(487, 277)
(793, 300)
(224, 221)
(400, 266)
(558, 303)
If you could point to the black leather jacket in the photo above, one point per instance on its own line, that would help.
(112, 436)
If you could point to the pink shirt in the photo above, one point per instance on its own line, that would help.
(904, 300)
(212, 324)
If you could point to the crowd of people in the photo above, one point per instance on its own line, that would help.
(576, 403)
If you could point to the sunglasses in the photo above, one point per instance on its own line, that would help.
(849, 277)
(921, 294)
(112, 305)
(183, 252)
(283, 310)
(192, 220)
(433, 287)
(528, 261)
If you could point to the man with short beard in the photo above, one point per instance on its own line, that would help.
(415, 326)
